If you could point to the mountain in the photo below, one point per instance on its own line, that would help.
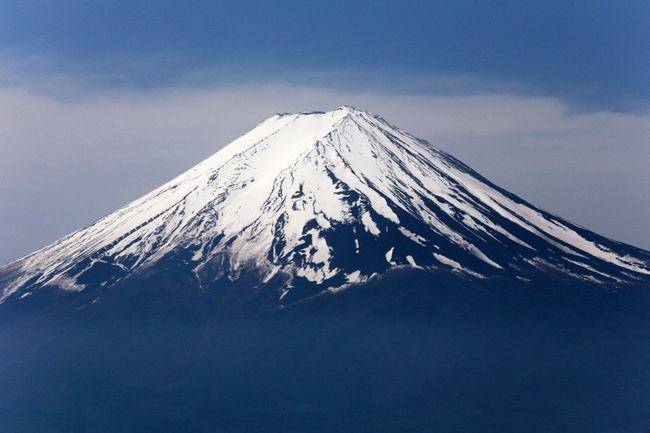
(315, 201)
(327, 272)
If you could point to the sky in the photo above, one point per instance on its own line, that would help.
(100, 102)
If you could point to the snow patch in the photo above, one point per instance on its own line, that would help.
(389, 256)
(369, 224)
(447, 261)
(411, 262)
(412, 236)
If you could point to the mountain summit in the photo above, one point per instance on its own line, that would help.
(312, 202)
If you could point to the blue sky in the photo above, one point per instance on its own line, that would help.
(101, 101)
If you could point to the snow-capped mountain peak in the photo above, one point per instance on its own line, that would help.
(326, 199)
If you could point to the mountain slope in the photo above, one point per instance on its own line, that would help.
(315, 201)
(225, 301)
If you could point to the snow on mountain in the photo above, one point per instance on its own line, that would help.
(327, 199)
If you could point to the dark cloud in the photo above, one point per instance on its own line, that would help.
(591, 53)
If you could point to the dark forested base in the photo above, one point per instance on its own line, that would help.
(398, 355)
